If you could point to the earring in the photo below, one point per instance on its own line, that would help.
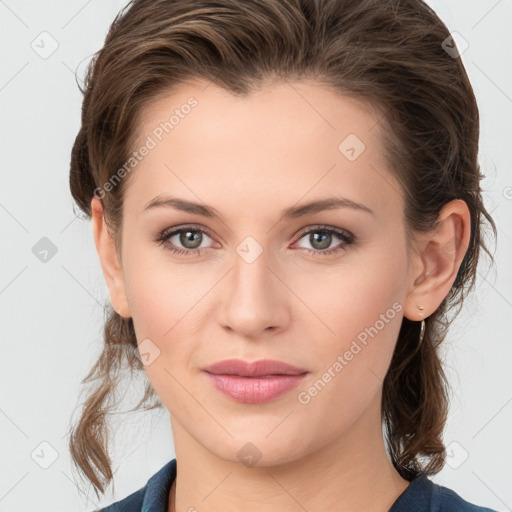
(422, 329)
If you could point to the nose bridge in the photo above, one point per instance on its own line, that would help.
(253, 301)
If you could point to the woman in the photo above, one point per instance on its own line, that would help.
(286, 206)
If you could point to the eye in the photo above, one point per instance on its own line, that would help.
(321, 238)
(184, 240)
(189, 240)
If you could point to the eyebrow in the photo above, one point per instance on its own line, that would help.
(292, 212)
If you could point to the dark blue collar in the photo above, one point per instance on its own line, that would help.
(156, 495)
(418, 496)
(421, 495)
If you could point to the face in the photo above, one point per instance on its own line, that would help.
(318, 288)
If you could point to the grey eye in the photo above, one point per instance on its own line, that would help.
(190, 239)
(320, 239)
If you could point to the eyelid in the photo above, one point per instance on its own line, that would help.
(193, 227)
(322, 227)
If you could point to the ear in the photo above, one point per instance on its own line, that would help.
(436, 259)
(109, 260)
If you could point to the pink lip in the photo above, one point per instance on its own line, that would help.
(257, 382)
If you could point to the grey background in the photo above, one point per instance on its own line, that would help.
(52, 312)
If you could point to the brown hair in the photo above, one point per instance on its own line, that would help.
(387, 53)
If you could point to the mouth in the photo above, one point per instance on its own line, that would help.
(256, 382)
(261, 368)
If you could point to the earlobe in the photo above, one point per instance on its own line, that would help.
(438, 259)
(110, 264)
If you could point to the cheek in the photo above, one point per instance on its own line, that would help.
(346, 300)
(159, 294)
(164, 303)
(351, 365)
(358, 314)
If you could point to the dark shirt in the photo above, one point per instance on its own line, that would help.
(422, 495)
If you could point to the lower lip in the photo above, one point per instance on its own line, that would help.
(254, 390)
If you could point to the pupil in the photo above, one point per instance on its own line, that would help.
(324, 243)
(190, 239)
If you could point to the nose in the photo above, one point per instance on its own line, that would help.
(254, 299)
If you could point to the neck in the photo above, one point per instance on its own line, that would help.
(352, 473)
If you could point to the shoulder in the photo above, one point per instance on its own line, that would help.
(132, 503)
(423, 495)
(450, 501)
(153, 496)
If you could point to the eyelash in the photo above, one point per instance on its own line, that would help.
(347, 239)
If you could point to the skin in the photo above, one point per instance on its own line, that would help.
(250, 159)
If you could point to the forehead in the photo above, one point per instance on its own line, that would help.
(285, 141)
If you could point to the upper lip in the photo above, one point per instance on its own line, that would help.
(259, 368)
